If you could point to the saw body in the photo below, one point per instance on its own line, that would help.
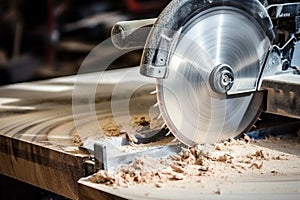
(210, 58)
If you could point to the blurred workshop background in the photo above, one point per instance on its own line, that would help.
(42, 39)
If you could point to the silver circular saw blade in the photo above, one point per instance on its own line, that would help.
(191, 110)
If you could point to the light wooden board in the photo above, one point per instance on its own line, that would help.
(247, 188)
(275, 179)
(37, 125)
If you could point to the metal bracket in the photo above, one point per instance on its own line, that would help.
(111, 153)
(100, 156)
(153, 71)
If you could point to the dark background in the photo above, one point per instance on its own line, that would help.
(42, 39)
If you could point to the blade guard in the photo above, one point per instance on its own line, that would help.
(166, 31)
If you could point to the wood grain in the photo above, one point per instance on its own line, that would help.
(38, 125)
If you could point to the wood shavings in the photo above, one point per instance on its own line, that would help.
(225, 158)
(228, 159)
(247, 138)
(110, 128)
(77, 139)
(256, 165)
(178, 176)
(218, 148)
(280, 157)
(218, 191)
(177, 168)
(141, 121)
(103, 177)
(158, 185)
(137, 123)
(259, 154)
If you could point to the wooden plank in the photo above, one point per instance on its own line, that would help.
(277, 177)
(37, 141)
(264, 187)
(86, 192)
(40, 166)
(38, 128)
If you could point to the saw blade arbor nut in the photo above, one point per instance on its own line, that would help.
(221, 79)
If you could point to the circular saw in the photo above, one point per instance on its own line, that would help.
(209, 58)
(209, 49)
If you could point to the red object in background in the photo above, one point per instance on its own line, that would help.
(142, 6)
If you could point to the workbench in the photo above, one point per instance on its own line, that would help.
(38, 134)
(43, 124)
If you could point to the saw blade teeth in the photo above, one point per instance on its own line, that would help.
(159, 116)
(155, 105)
(163, 126)
(188, 94)
(175, 140)
(153, 92)
(168, 133)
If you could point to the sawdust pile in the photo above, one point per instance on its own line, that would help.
(230, 158)
(110, 127)
(137, 123)
(76, 139)
(142, 121)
